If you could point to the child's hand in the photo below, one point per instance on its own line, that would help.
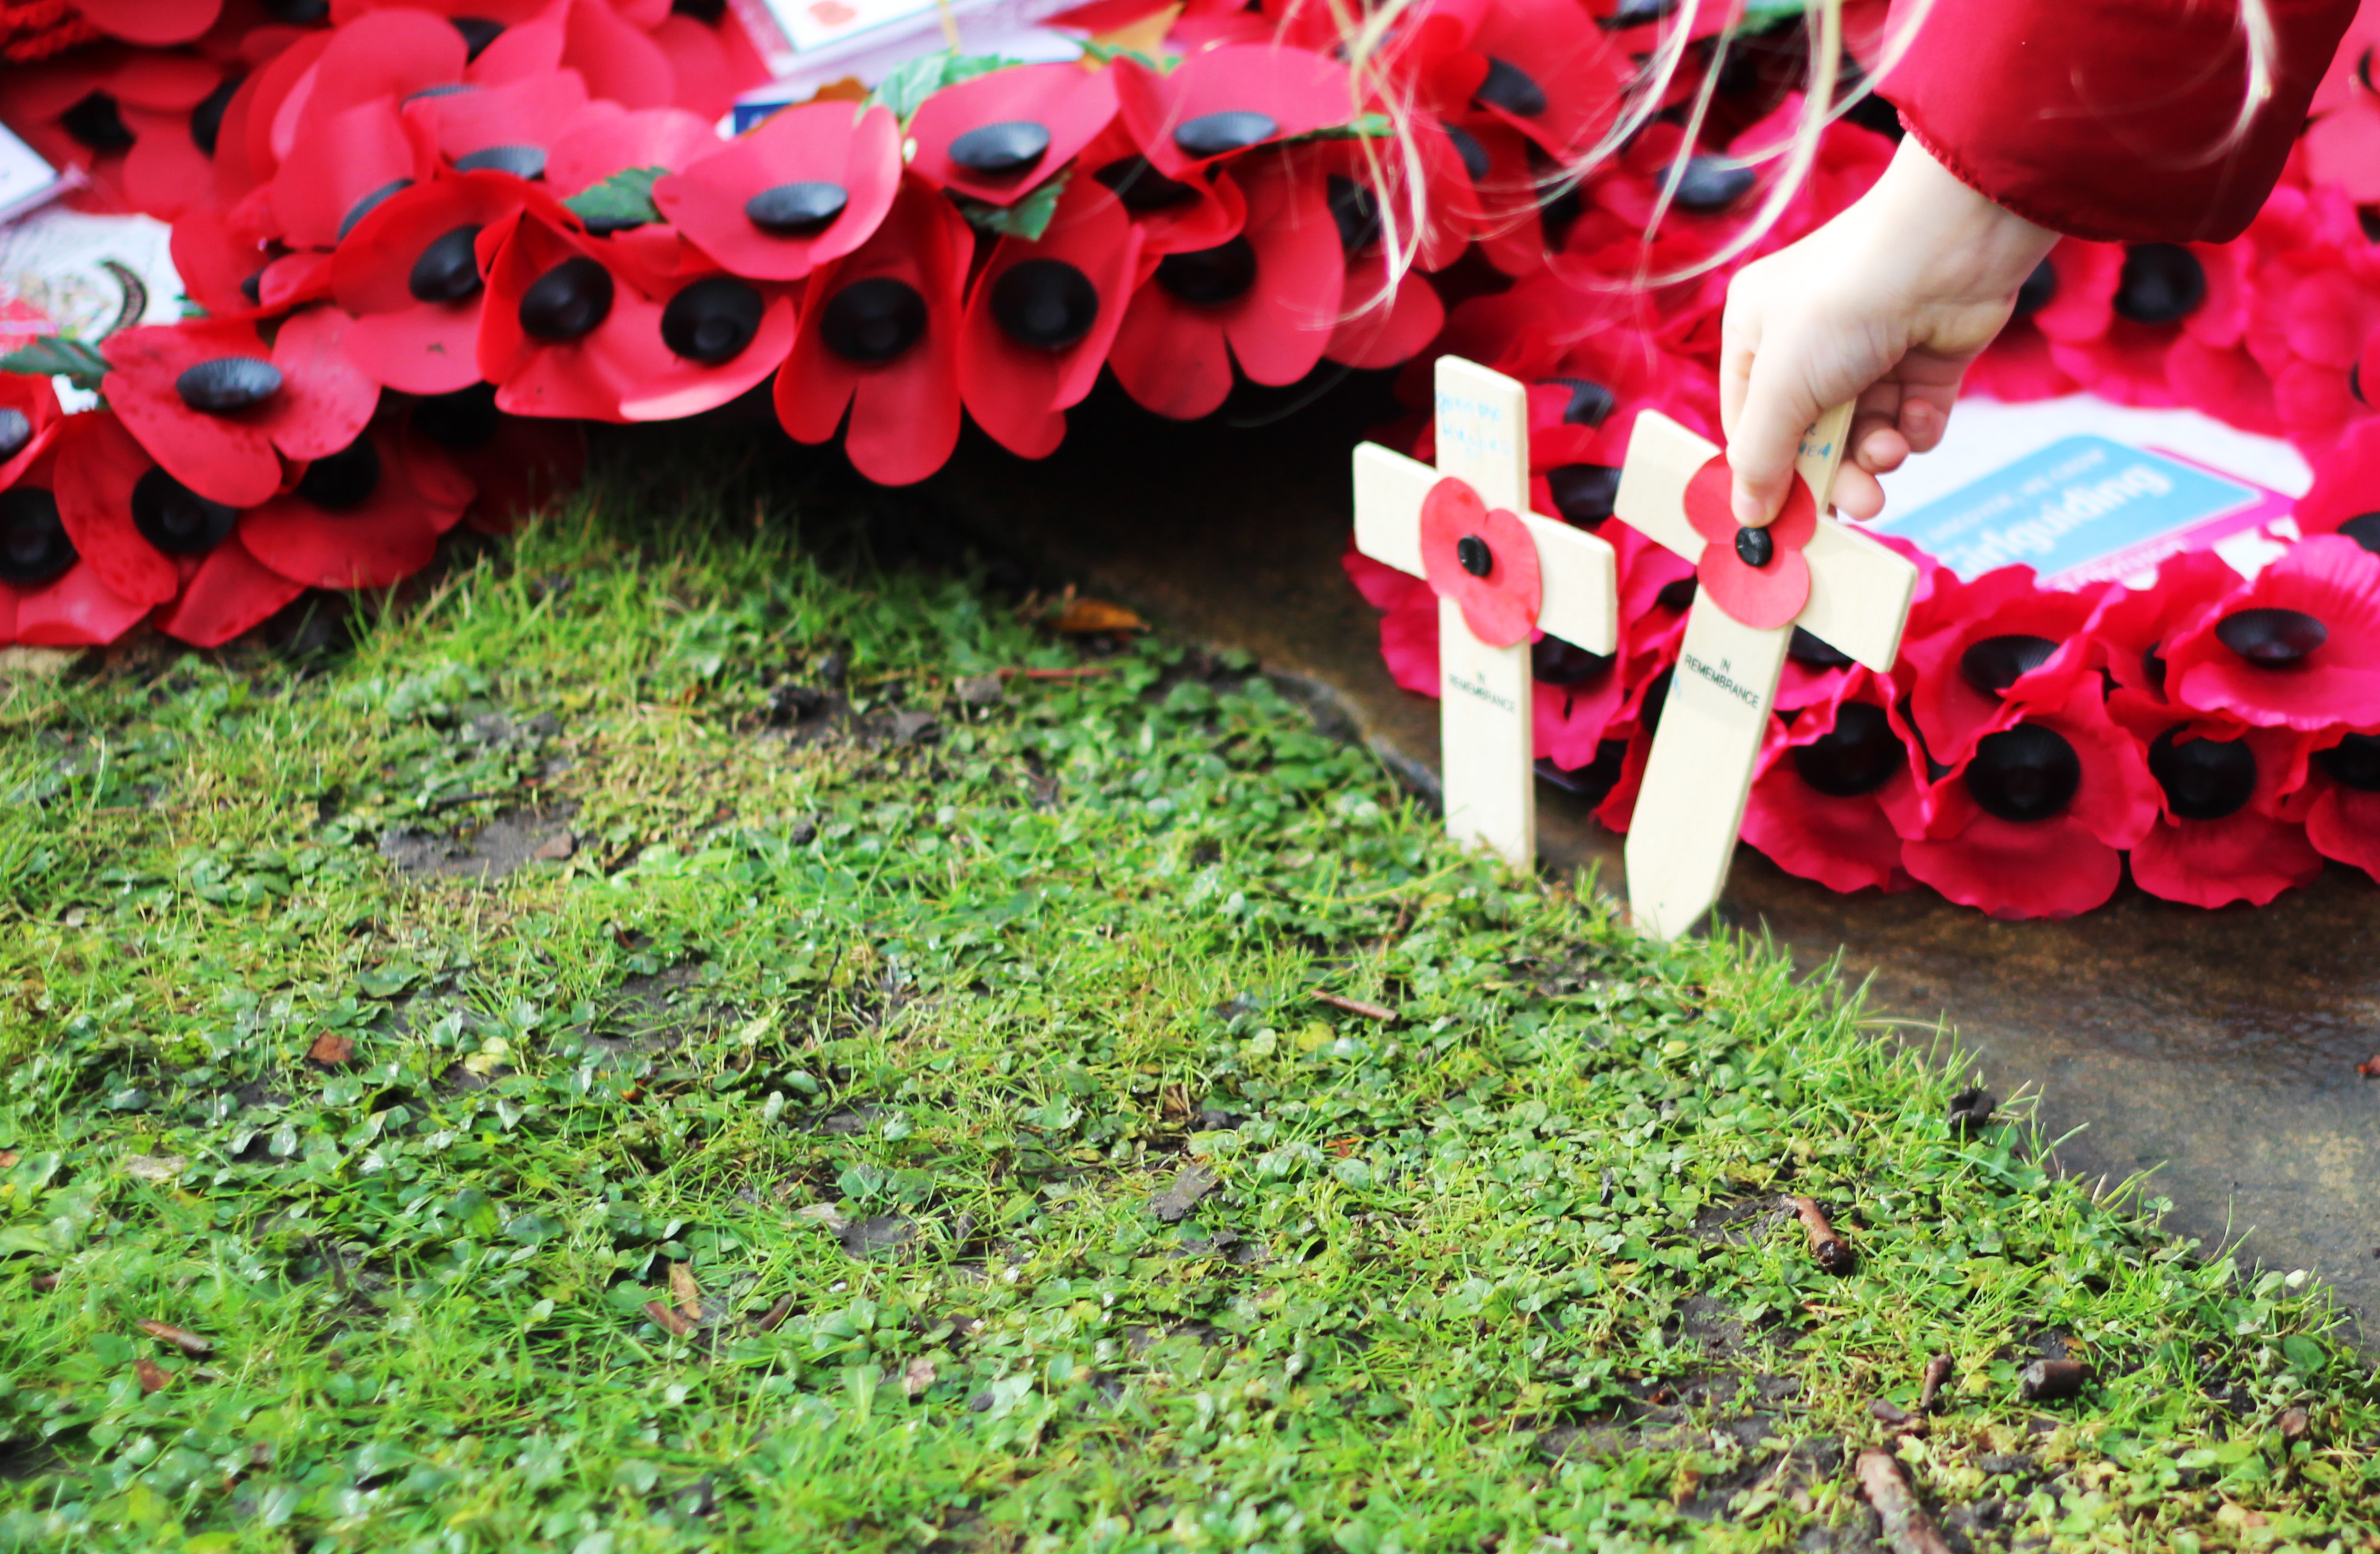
(1888, 303)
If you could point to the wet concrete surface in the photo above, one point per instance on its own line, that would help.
(2215, 1049)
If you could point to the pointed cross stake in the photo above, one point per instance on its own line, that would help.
(1498, 570)
(1806, 570)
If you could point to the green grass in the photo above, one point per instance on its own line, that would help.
(898, 1039)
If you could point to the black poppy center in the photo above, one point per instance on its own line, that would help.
(1210, 276)
(464, 418)
(1221, 134)
(2161, 283)
(1141, 187)
(567, 302)
(227, 383)
(1636, 13)
(1992, 664)
(2353, 762)
(448, 270)
(94, 122)
(1678, 594)
(712, 320)
(1475, 555)
(1044, 302)
(1857, 756)
(797, 210)
(2040, 289)
(1508, 87)
(1711, 183)
(1590, 403)
(521, 162)
(1002, 150)
(371, 202)
(1755, 547)
(477, 32)
(206, 119)
(874, 320)
(1584, 493)
(298, 13)
(1557, 662)
(2203, 779)
(345, 480)
(2364, 529)
(16, 431)
(1804, 648)
(33, 543)
(2271, 638)
(175, 519)
(2024, 774)
(1473, 154)
(1357, 212)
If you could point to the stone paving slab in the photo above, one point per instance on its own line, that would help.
(2217, 1049)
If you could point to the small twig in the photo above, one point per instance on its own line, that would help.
(183, 1339)
(1937, 1376)
(1907, 1529)
(1078, 673)
(775, 1318)
(666, 1319)
(1355, 1007)
(1832, 1253)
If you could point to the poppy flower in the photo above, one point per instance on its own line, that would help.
(1000, 135)
(1384, 323)
(2345, 496)
(156, 23)
(150, 537)
(2017, 366)
(1482, 558)
(1758, 575)
(2033, 821)
(2220, 835)
(1822, 807)
(2342, 799)
(2298, 646)
(809, 184)
(1408, 618)
(2132, 627)
(880, 336)
(1040, 317)
(2157, 294)
(49, 595)
(1983, 652)
(409, 274)
(365, 518)
(712, 60)
(1268, 298)
(1228, 99)
(603, 139)
(517, 464)
(122, 116)
(508, 125)
(1171, 216)
(1582, 700)
(1552, 74)
(220, 411)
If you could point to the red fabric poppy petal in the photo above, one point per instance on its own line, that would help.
(324, 403)
(387, 539)
(2345, 824)
(343, 157)
(75, 611)
(97, 464)
(1170, 356)
(1279, 328)
(372, 270)
(1299, 90)
(1765, 597)
(709, 73)
(425, 350)
(229, 593)
(2050, 868)
(154, 22)
(165, 174)
(524, 465)
(213, 262)
(2244, 856)
(1018, 393)
(391, 52)
(598, 145)
(530, 111)
(1501, 607)
(2346, 482)
(669, 387)
(1391, 331)
(1844, 844)
(2327, 577)
(619, 62)
(1072, 104)
(224, 458)
(817, 142)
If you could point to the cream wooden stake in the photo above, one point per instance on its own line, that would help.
(1699, 774)
(1485, 716)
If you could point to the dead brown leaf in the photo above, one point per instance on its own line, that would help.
(44, 1283)
(1089, 617)
(769, 1321)
(330, 1050)
(153, 1376)
(684, 1290)
(7, 1158)
(918, 1377)
(668, 1320)
(182, 1339)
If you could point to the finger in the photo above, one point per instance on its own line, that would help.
(1739, 344)
(1926, 418)
(1778, 408)
(1878, 412)
(1880, 451)
(1857, 493)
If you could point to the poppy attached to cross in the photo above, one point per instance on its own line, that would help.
(1756, 585)
(1501, 573)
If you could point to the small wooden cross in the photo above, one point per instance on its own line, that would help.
(1806, 570)
(1499, 570)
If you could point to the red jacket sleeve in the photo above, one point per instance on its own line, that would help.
(2110, 119)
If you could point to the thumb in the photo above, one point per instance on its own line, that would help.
(1778, 408)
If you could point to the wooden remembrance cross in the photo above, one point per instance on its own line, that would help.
(1498, 571)
(1806, 570)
